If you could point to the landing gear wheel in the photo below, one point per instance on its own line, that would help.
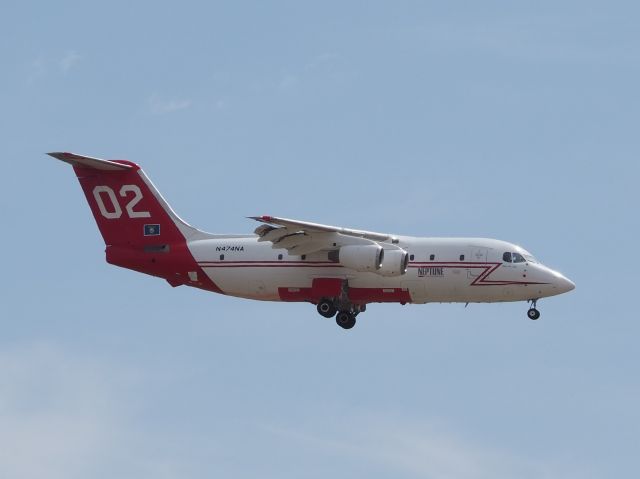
(533, 313)
(345, 320)
(326, 309)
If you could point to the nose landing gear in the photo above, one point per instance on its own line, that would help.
(533, 313)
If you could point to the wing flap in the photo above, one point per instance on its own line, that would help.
(290, 241)
(307, 248)
(274, 235)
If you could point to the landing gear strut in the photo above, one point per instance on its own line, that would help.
(326, 308)
(533, 313)
(346, 319)
(346, 311)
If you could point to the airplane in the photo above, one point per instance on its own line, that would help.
(339, 270)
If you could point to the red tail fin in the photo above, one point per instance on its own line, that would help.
(140, 229)
(124, 203)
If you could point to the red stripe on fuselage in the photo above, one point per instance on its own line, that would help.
(482, 279)
(269, 264)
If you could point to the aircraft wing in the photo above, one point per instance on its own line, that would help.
(303, 237)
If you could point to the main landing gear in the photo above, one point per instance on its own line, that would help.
(346, 319)
(327, 308)
(533, 313)
(346, 311)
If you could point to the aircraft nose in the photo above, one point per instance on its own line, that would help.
(568, 285)
(563, 283)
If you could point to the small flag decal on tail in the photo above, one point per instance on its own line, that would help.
(152, 230)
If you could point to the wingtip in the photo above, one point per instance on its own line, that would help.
(263, 218)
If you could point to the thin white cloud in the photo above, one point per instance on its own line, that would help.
(323, 67)
(288, 81)
(65, 416)
(68, 61)
(159, 106)
(555, 39)
(321, 61)
(56, 413)
(37, 69)
(415, 449)
(42, 66)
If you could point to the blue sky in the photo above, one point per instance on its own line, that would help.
(513, 120)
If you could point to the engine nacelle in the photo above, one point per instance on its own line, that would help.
(361, 257)
(394, 263)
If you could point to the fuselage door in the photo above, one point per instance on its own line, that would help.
(478, 255)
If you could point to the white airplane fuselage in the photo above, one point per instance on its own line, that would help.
(467, 270)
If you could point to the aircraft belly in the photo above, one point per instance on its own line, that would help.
(268, 283)
(264, 283)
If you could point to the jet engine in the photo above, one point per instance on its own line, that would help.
(394, 263)
(362, 258)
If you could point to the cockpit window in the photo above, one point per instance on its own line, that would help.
(510, 257)
(517, 258)
(529, 258)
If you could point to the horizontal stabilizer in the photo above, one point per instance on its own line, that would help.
(89, 162)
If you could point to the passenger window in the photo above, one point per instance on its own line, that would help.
(506, 257)
(432, 257)
(279, 256)
(221, 257)
(461, 257)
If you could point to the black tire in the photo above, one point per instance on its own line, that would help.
(345, 320)
(533, 314)
(326, 309)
